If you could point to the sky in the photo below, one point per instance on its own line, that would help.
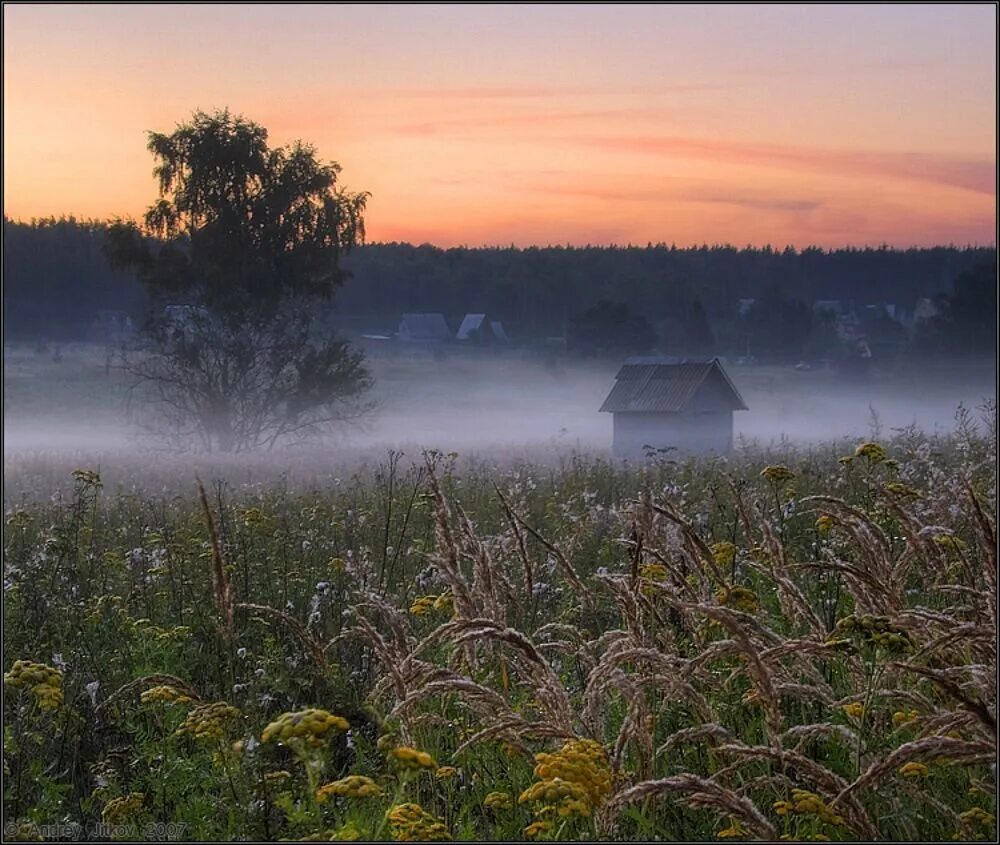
(548, 124)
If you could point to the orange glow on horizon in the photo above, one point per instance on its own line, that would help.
(665, 127)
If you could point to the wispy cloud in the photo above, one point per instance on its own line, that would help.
(972, 174)
(457, 126)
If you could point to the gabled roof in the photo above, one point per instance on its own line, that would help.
(470, 323)
(663, 384)
(424, 326)
(498, 330)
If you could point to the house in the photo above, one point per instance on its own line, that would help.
(479, 329)
(662, 402)
(423, 328)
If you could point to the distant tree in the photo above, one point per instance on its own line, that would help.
(243, 243)
(778, 326)
(967, 324)
(609, 327)
(698, 336)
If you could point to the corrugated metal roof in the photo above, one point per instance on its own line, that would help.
(663, 385)
(470, 323)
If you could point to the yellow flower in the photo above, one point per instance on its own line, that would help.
(872, 452)
(119, 810)
(498, 801)
(353, 786)
(977, 815)
(805, 803)
(855, 709)
(409, 759)
(164, 693)
(444, 601)
(536, 829)
(950, 542)
(739, 598)
(411, 823)
(825, 523)
(208, 721)
(724, 553)
(734, 829)
(913, 770)
(777, 473)
(309, 728)
(446, 772)
(43, 682)
(902, 717)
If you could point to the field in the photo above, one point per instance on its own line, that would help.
(796, 643)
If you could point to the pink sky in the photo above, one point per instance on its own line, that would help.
(827, 125)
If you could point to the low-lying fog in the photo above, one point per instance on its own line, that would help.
(485, 403)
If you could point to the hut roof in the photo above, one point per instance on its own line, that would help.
(663, 384)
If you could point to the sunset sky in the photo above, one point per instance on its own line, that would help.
(537, 124)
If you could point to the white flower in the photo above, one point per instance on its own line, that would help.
(92, 689)
(58, 662)
(241, 653)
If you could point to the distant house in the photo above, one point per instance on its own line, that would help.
(478, 328)
(683, 403)
(423, 328)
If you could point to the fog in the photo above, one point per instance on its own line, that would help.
(495, 406)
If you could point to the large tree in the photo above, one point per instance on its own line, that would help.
(242, 244)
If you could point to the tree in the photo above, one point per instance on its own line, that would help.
(242, 244)
(609, 327)
(778, 326)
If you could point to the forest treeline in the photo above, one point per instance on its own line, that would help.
(56, 278)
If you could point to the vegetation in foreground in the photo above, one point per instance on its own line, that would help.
(682, 651)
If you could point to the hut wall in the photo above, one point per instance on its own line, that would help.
(689, 432)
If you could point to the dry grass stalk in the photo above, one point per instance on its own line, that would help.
(314, 647)
(701, 792)
(155, 680)
(223, 587)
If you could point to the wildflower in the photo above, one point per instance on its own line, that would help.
(310, 728)
(43, 682)
(536, 829)
(871, 452)
(902, 490)
(348, 833)
(949, 542)
(208, 721)
(579, 771)
(903, 717)
(739, 598)
(977, 815)
(164, 693)
(724, 553)
(411, 823)
(276, 779)
(913, 770)
(854, 710)
(777, 473)
(445, 772)
(734, 829)
(444, 601)
(409, 759)
(805, 803)
(498, 801)
(653, 571)
(423, 605)
(825, 523)
(353, 786)
(118, 810)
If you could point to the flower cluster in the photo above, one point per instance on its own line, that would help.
(425, 604)
(536, 829)
(738, 598)
(903, 717)
(735, 829)
(411, 823)
(44, 682)
(409, 759)
(572, 781)
(825, 523)
(854, 710)
(118, 810)
(913, 770)
(805, 803)
(310, 728)
(208, 721)
(164, 693)
(871, 452)
(498, 801)
(724, 553)
(777, 473)
(352, 786)
(874, 632)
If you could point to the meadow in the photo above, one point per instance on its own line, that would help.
(794, 643)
